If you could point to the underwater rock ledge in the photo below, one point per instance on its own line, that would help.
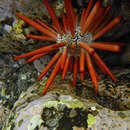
(60, 109)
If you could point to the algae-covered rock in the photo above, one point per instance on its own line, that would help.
(14, 78)
(54, 110)
(13, 30)
(91, 120)
(113, 95)
(111, 120)
(61, 108)
(4, 112)
(6, 9)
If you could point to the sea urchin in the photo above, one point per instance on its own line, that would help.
(75, 40)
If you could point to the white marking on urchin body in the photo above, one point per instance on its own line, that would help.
(87, 38)
(77, 37)
(68, 39)
(60, 39)
(65, 38)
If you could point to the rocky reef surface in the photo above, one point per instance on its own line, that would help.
(63, 108)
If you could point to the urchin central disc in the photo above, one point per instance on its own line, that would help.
(86, 38)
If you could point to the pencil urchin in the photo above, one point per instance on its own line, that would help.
(75, 41)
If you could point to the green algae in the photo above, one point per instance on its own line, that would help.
(35, 122)
(50, 104)
(18, 30)
(59, 7)
(69, 102)
(91, 120)
(73, 103)
(20, 122)
(10, 122)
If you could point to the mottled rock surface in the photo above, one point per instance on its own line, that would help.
(65, 108)
(53, 110)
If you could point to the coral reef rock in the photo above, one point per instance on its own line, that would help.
(57, 110)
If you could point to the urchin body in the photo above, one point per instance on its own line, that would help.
(75, 41)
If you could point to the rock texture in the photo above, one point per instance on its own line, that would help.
(62, 108)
